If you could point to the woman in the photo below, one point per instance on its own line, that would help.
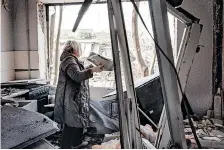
(72, 95)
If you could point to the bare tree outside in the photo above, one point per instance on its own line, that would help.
(135, 37)
(151, 67)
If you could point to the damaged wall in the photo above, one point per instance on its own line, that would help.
(7, 53)
(25, 39)
(15, 33)
(199, 87)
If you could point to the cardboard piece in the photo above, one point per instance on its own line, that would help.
(97, 59)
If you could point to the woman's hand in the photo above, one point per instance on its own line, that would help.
(97, 68)
(89, 67)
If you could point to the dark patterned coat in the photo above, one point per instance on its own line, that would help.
(72, 94)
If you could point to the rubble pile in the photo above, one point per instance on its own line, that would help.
(209, 132)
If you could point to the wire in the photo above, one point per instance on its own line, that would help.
(184, 97)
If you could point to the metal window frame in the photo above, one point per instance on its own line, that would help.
(123, 123)
(177, 135)
(130, 127)
(159, 17)
(168, 128)
(183, 67)
(181, 17)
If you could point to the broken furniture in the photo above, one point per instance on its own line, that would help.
(30, 105)
(21, 128)
(20, 100)
(36, 89)
(149, 98)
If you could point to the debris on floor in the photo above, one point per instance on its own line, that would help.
(55, 139)
(112, 136)
(90, 135)
(112, 141)
(210, 132)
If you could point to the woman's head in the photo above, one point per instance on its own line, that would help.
(73, 47)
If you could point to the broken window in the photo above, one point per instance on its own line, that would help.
(94, 35)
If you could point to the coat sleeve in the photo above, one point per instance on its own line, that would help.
(77, 75)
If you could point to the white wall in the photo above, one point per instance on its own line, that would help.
(20, 39)
(199, 87)
(7, 53)
(14, 41)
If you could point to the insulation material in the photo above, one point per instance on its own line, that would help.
(148, 133)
